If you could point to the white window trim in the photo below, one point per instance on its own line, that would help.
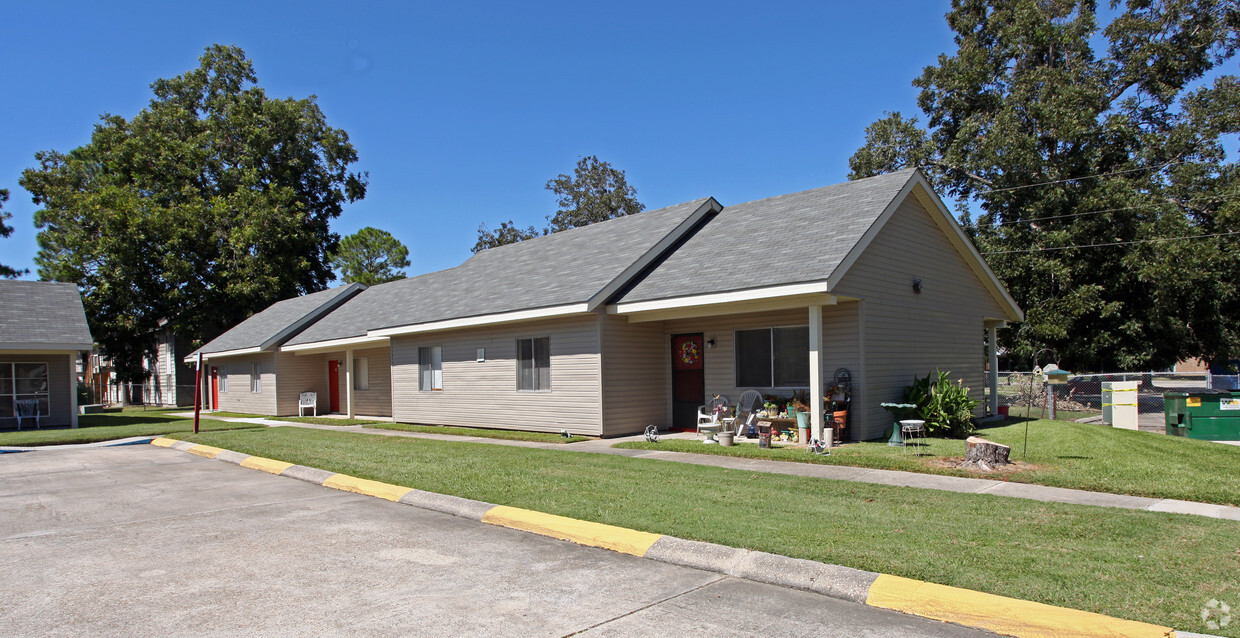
(38, 395)
(436, 372)
(221, 378)
(256, 378)
(517, 360)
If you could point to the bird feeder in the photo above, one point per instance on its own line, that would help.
(1054, 376)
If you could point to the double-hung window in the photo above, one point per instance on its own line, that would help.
(430, 368)
(361, 373)
(534, 363)
(256, 377)
(24, 382)
(772, 357)
(223, 378)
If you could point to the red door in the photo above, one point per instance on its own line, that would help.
(215, 388)
(333, 386)
(688, 380)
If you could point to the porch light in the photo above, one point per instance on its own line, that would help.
(917, 286)
(710, 343)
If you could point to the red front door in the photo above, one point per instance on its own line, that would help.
(215, 388)
(333, 386)
(688, 380)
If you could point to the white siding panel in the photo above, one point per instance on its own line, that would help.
(238, 398)
(909, 334)
(297, 374)
(485, 395)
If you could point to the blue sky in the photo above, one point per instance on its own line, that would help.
(462, 111)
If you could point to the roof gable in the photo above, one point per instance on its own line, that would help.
(280, 320)
(42, 315)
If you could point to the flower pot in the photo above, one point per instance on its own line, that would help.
(803, 420)
(725, 439)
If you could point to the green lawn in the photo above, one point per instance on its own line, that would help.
(110, 426)
(511, 435)
(1155, 567)
(1061, 454)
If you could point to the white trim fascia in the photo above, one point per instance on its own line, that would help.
(712, 299)
(943, 219)
(225, 353)
(482, 320)
(994, 323)
(334, 344)
(341, 298)
(44, 348)
(711, 205)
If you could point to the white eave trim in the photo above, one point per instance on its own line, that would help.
(482, 320)
(334, 344)
(226, 353)
(44, 348)
(753, 294)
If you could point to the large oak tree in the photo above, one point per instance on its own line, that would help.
(205, 207)
(1104, 198)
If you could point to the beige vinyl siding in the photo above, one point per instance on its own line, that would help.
(296, 374)
(377, 399)
(909, 334)
(238, 398)
(485, 395)
(840, 345)
(636, 375)
(59, 381)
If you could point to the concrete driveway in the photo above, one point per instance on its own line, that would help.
(148, 541)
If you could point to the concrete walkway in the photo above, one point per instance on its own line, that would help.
(813, 470)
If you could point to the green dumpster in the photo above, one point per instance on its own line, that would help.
(1209, 415)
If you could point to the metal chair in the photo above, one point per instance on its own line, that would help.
(308, 400)
(27, 408)
(706, 413)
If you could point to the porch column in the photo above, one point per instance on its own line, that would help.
(993, 377)
(348, 381)
(815, 372)
(73, 383)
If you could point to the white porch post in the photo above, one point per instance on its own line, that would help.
(993, 377)
(815, 371)
(73, 383)
(348, 381)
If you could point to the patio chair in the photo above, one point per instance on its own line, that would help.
(747, 409)
(308, 400)
(706, 413)
(27, 408)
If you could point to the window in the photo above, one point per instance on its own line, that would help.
(534, 364)
(256, 377)
(361, 373)
(772, 357)
(430, 368)
(22, 382)
(223, 378)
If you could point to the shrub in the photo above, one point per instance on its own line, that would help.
(944, 405)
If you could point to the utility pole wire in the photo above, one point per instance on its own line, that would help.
(1117, 243)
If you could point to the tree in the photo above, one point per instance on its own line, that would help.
(595, 192)
(6, 230)
(1085, 169)
(371, 256)
(207, 206)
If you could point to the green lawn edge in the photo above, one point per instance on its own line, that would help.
(509, 435)
(111, 426)
(1147, 566)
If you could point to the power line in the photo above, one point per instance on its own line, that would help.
(1075, 179)
(1116, 243)
(1213, 200)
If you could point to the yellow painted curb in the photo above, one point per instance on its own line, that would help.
(163, 442)
(267, 465)
(1008, 616)
(367, 487)
(205, 450)
(618, 539)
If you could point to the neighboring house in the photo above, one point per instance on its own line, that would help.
(169, 379)
(607, 328)
(43, 330)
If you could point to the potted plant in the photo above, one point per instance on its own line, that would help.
(802, 412)
(770, 408)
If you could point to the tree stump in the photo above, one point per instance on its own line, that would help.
(984, 455)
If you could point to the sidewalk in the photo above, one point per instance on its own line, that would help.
(810, 470)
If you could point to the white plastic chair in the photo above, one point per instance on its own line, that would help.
(747, 409)
(308, 400)
(706, 413)
(27, 408)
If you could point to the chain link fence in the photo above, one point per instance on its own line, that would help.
(144, 395)
(1080, 399)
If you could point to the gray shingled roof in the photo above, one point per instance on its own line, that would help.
(36, 313)
(279, 319)
(801, 237)
(567, 267)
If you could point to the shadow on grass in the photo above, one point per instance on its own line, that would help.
(99, 421)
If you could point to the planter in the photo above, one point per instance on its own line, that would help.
(803, 420)
(726, 439)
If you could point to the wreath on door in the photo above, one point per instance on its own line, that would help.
(690, 353)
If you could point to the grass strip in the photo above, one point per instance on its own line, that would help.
(1147, 566)
(109, 426)
(1061, 454)
(510, 435)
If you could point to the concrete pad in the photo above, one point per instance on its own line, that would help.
(453, 505)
